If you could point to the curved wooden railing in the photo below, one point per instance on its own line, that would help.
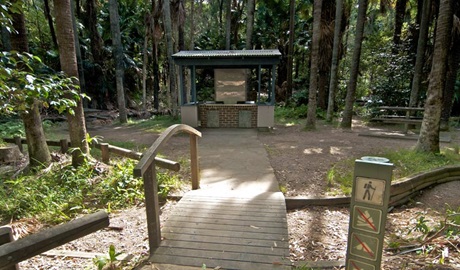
(146, 169)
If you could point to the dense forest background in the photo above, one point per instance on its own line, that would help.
(388, 55)
(336, 54)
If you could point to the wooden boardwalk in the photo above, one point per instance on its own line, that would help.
(228, 229)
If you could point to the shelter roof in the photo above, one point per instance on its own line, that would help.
(227, 58)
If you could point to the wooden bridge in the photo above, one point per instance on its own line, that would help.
(237, 220)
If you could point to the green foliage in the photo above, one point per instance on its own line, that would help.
(20, 87)
(7, 7)
(109, 262)
(285, 114)
(167, 182)
(300, 97)
(59, 194)
(12, 128)
(406, 161)
(391, 81)
(421, 225)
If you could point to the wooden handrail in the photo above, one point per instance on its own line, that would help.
(146, 169)
(149, 155)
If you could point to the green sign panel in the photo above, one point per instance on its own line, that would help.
(367, 219)
(368, 209)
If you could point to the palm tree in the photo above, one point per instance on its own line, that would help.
(170, 51)
(68, 60)
(250, 24)
(290, 49)
(351, 87)
(118, 55)
(400, 12)
(228, 24)
(39, 153)
(420, 57)
(311, 114)
(451, 77)
(428, 140)
(335, 59)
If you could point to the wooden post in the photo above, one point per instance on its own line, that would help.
(18, 142)
(64, 145)
(6, 236)
(194, 162)
(152, 207)
(105, 153)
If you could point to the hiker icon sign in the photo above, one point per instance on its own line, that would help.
(369, 190)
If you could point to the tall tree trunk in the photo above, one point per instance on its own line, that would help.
(81, 71)
(335, 60)
(39, 153)
(6, 41)
(400, 12)
(157, 33)
(192, 25)
(250, 24)
(181, 22)
(326, 45)
(50, 22)
(18, 39)
(170, 51)
(95, 38)
(228, 23)
(451, 77)
(420, 58)
(290, 49)
(68, 59)
(428, 140)
(249, 32)
(311, 114)
(156, 77)
(145, 61)
(322, 90)
(118, 55)
(352, 83)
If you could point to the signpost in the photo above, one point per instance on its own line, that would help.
(368, 212)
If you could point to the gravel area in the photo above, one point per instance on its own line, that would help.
(300, 159)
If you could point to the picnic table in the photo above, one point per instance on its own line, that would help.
(399, 115)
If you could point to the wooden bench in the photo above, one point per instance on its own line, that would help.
(399, 115)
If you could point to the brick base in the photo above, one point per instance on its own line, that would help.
(228, 114)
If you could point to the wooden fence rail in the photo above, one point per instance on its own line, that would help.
(17, 251)
(105, 148)
(146, 169)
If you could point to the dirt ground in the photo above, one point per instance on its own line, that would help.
(300, 160)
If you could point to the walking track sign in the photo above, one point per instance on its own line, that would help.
(368, 213)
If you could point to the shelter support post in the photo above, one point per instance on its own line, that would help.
(193, 84)
(272, 101)
(259, 71)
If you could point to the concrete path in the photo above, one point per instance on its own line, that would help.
(234, 159)
(237, 219)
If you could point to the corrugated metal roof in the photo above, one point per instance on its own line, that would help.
(227, 54)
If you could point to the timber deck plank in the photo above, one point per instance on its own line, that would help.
(229, 232)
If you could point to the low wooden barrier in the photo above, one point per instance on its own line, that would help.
(401, 192)
(146, 169)
(106, 150)
(14, 252)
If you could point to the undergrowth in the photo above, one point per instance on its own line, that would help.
(60, 192)
(407, 162)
